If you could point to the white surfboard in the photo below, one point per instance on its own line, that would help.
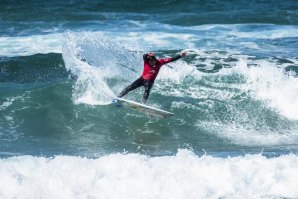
(144, 108)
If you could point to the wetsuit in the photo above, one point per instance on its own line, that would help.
(148, 76)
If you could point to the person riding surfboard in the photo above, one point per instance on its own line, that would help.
(151, 69)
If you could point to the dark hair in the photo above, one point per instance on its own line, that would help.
(151, 57)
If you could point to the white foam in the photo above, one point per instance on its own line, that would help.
(48, 43)
(264, 32)
(176, 76)
(249, 133)
(164, 37)
(268, 85)
(6, 104)
(178, 71)
(29, 45)
(264, 81)
(251, 31)
(184, 175)
(160, 40)
(9, 101)
(271, 85)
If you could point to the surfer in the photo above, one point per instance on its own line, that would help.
(152, 66)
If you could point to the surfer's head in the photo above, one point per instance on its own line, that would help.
(151, 58)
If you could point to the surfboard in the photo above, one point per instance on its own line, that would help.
(148, 110)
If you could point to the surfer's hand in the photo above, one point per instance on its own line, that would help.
(183, 54)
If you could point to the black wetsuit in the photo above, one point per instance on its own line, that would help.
(136, 84)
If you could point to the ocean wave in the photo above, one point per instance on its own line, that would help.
(184, 175)
(215, 93)
(33, 69)
(30, 45)
(265, 38)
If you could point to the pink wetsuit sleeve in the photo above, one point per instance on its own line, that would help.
(165, 60)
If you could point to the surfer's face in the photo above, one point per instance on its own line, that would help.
(152, 62)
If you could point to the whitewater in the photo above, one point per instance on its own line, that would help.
(184, 175)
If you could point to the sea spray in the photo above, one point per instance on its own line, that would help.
(97, 63)
(272, 85)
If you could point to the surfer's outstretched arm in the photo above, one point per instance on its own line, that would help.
(172, 59)
(181, 54)
(176, 58)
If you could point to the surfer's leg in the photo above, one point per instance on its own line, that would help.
(134, 85)
(148, 85)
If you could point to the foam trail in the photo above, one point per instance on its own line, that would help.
(247, 135)
(184, 175)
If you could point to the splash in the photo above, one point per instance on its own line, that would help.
(271, 85)
(97, 63)
(259, 104)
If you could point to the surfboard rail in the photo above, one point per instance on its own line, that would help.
(149, 110)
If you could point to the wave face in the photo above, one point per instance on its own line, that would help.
(234, 98)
